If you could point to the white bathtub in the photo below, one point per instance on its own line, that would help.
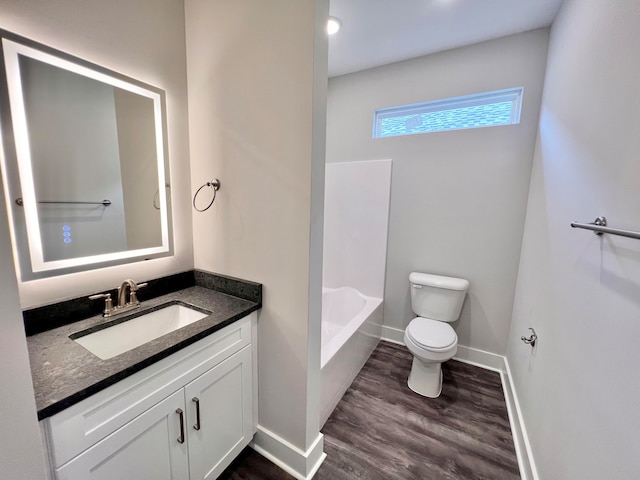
(351, 329)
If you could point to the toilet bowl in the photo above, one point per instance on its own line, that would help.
(429, 337)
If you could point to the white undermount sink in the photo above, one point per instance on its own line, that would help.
(129, 334)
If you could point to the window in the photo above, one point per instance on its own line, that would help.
(488, 109)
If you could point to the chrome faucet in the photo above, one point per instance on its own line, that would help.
(130, 286)
(126, 287)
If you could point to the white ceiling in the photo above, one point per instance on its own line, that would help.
(378, 32)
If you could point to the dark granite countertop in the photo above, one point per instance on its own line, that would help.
(64, 373)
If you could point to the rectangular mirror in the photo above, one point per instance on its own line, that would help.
(84, 164)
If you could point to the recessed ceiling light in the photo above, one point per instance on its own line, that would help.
(333, 25)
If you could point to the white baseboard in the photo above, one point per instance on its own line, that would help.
(393, 335)
(480, 358)
(524, 453)
(297, 463)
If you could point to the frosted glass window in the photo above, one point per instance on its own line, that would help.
(487, 109)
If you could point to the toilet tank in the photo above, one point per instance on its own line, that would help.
(437, 297)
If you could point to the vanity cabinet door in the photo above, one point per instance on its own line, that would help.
(223, 396)
(146, 448)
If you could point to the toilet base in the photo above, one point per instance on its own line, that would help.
(425, 378)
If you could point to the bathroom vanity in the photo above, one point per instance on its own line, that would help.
(181, 406)
(162, 390)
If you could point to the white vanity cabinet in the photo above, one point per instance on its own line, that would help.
(185, 417)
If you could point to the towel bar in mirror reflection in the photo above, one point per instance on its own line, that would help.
(104, 203)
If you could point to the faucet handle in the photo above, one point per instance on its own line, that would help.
(108, 303)
(133, 296)
(98, 296)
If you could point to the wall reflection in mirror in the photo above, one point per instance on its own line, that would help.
(85, 167)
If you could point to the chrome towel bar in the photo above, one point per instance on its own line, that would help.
(599, 226)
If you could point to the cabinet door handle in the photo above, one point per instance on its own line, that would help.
(181, 414)
(197, 402)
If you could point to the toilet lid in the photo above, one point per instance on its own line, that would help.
(431, 333)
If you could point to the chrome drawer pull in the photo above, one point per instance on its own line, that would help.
(181, 437)
(197, 401)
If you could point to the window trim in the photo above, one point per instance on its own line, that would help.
(513, 95)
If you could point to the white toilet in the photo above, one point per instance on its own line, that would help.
(437, 301)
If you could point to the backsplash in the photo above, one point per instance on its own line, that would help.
(47, 317)
(229, 285)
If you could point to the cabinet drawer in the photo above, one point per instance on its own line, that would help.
(75, 429)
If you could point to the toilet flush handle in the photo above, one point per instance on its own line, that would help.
(416, 286)
(532, 339)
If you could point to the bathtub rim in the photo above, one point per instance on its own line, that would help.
(328, 351)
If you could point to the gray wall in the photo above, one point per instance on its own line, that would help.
(257, 100)
(457, 198)
(144, 39)
(579, 388)
(21, 455)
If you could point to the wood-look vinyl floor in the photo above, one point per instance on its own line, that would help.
(383, 430)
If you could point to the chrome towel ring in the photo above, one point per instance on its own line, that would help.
(156, 197)
(215, 185)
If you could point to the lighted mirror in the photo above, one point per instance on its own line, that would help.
(84, 163)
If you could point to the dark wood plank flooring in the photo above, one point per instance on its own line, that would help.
(383, 430)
